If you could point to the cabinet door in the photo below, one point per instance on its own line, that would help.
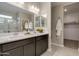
(41, 45)
(29, 50)
(0, 50)
(14, 52)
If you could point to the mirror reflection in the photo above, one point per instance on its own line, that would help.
(19, 21)
(9, 22)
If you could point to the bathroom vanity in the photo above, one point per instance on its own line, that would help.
(15, 20)
(29, 46)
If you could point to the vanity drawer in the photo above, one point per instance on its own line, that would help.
(42, 37)
(15, 44)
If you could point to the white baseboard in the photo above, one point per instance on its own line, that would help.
(57, 45)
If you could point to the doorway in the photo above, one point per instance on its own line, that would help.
(71, 26)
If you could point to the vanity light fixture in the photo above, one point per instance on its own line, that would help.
(44, 15)
(34, 9)
(5, 16)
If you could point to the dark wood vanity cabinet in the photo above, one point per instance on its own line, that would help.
(0, 50)
(29, 49)
(41, 44)
(14, 52)
(26, 47)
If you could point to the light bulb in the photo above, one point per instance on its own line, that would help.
(65, 10)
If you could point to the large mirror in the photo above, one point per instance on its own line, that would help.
(15, 20)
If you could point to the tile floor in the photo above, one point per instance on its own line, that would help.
(70, 49)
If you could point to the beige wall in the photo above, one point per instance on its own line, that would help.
(57, 11)
(45, 8)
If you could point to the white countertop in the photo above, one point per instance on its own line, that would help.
(19, 36)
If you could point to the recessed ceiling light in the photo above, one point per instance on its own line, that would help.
(65, 10)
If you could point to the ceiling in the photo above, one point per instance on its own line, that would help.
(61, 3)
(72, 8)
